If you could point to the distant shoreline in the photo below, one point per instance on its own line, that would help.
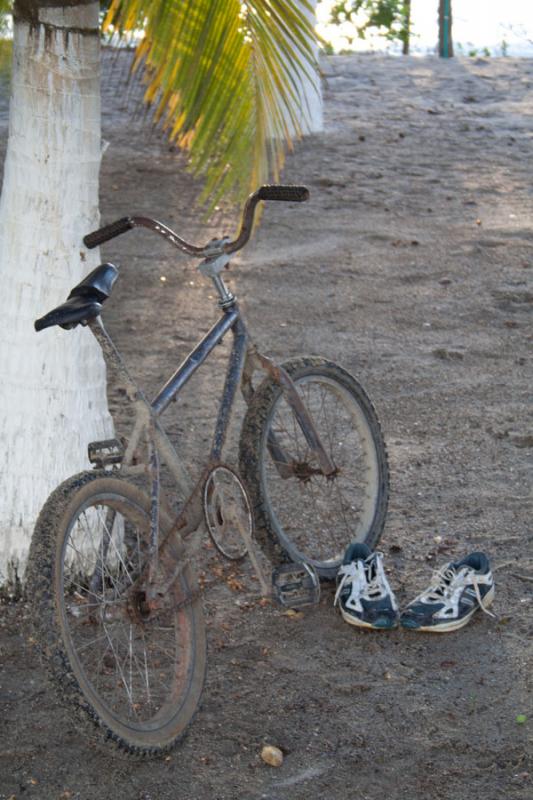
(461, 51)
(389, 52)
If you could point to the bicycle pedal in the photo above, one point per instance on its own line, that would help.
(105, 453)
(296, 585)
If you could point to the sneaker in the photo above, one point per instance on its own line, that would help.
(457, 591)
(363, 593)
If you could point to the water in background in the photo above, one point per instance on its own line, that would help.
(480, 27)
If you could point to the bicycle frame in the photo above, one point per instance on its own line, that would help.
(147, 427)
(148, 432)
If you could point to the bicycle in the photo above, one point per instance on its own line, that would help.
(116, 604)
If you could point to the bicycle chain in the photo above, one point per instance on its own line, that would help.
(190, 599)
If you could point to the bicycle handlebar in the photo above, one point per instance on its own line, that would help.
(108, 232)
(293, 194)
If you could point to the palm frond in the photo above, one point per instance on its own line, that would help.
(224, 81)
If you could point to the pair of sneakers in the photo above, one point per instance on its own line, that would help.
(457, 591)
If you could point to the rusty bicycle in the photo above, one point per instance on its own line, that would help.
(117, 607)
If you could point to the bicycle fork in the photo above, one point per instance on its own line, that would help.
(283, 464)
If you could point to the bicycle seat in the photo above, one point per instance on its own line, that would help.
(84, 302)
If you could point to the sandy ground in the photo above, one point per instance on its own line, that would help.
(412, 267)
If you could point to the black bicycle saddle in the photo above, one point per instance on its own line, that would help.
(84, 302)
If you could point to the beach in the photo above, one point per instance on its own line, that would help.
(411, 266)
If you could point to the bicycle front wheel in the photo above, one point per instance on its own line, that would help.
(135, 674)
(301, 514)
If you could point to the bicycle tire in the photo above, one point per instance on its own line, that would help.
(84, 671)
(293, 521)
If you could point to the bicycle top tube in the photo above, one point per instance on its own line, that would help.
(216, 247)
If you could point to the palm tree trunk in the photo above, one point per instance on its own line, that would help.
(310, 114)
(53, 394)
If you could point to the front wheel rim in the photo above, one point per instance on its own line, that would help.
(294, 521)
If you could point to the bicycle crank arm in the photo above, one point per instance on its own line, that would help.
(168, 558)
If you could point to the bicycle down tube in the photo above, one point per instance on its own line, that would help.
(148, 413)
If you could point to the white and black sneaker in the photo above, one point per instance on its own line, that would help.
(363, 593)
(457, 591)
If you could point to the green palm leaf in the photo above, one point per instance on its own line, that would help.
(5, 44)
(223, 80)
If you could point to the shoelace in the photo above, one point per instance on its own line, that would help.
(480, 601)
(350, 572)
(444, 580)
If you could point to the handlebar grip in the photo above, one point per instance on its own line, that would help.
(292, 194)
(102, 235)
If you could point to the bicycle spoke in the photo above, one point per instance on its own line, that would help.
(131, 660)
(118, 667)
(322, 513)
(118, 554)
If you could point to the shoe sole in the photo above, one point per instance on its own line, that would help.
(446, 627)
(358, 623)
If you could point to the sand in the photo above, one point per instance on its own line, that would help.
(412, 267)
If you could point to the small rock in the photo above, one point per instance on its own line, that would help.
(445, 281)
(272, 755)
(328, 182)
(447, 355)
(292, 613)
(521, 438)
(513, 295)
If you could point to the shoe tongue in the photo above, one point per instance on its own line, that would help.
(476, 561)
(446, 576)
(371, 569)
(357, 551)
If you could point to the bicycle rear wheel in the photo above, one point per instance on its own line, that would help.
(300, 513)
(136, 675)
